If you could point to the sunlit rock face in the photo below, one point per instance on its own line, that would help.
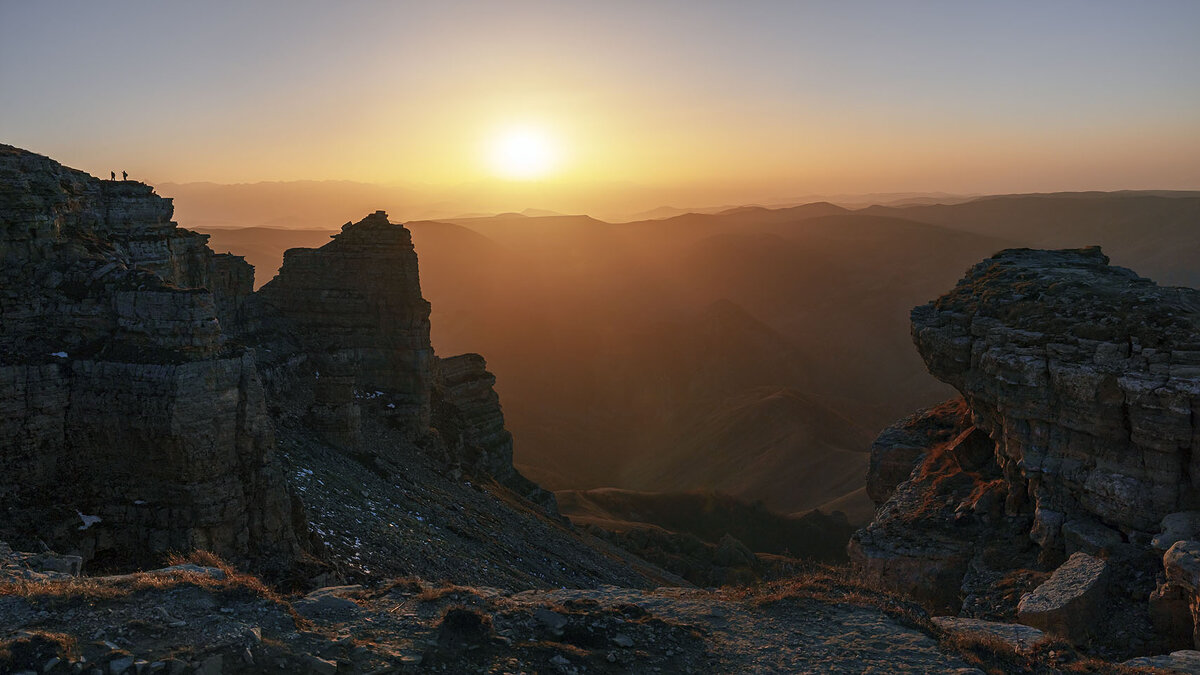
(129, 425)
(1076, 432)
(1086, 376)
(352, 310)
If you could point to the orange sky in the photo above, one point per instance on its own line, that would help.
(701, 102)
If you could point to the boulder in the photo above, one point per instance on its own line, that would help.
(327, 603)
(1181, 563)
(1087, 376)
(1183, 662)
(1019, 637)
(1067, 604)
(1176, 527)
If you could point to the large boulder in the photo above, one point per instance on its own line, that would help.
(1068, 603)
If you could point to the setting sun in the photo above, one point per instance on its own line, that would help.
(523, 153)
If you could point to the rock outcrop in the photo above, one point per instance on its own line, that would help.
(1087, 377)
(1068, 602)
(348, 319)
(129, 424)
(143, 383)
(1081, 394)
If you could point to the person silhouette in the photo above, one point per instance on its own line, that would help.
(113, 175)
(124, 175)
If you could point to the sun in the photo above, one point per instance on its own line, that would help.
(523, 153)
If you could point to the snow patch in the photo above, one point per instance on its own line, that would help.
(88, 521)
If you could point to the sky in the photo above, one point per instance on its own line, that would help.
(711, 99)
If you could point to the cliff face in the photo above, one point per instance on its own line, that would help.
(144, 388)
(1085, 375)
(1077, 433)
(129, 425)
(352, 313)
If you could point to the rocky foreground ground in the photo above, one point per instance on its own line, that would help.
(201, 616)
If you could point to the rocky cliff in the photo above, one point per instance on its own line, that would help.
(130, 426)
(351, 318)
(152, 402)
(1086, 376)
(1077, 434)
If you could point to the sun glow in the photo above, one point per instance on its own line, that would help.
(523, 153)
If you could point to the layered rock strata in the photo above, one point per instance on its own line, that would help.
(351, 313)
(1081, 385)
(129, 425)
(470, 422)
(1086, 376)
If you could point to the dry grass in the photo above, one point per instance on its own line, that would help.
(37, 645)
(81, 590)
(433, 594)
(842, 585)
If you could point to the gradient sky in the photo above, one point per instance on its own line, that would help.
(765, 97)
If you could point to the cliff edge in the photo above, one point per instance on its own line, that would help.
(1075, 436)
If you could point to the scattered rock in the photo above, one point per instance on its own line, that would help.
(622, 640)
(1019, 637)
(1176, 527)
(1068, 603)
(1184, 662)
(326, 603)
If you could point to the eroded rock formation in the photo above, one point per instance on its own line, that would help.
(1086, 376)
(1078, 434)
(129, 425)
(143, 383)
(351, 313)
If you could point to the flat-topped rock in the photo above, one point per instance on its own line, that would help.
(1067, 603)
(1020, 637)
(1182, 662)
(1085, 374)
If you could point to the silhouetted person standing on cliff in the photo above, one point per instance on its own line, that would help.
(113, 174)
(124, 175)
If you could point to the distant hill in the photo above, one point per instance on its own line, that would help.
(774, 444)
(1156, 233)
(709, 516)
